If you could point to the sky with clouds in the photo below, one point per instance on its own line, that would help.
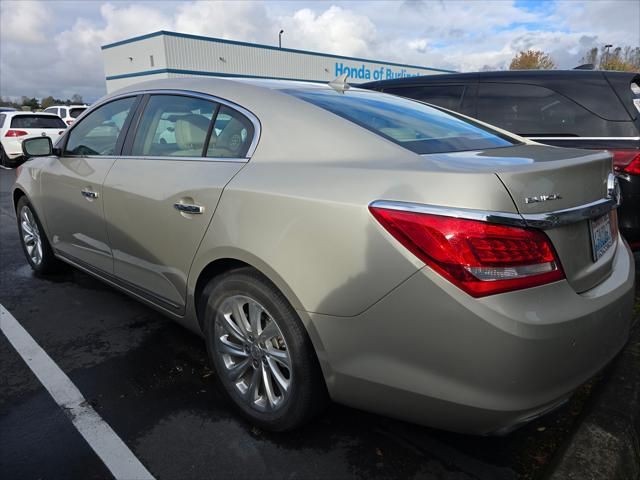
(52, 47)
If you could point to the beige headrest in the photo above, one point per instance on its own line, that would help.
(191, 131)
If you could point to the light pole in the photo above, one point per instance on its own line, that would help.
(280, 38)
(606, 54)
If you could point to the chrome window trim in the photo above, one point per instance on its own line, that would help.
(168, 158)
(162, 159)
(257, 128)
(582, 138)
(534, 220)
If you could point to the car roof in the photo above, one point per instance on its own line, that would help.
(259, 96)
(213, 85)
(20, 112)
(68, 106)
(530, 76)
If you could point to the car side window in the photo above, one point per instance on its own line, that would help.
(445, 96)
(174, 126)
(51, 110)
(98, 132)
(2, 117)
(532, 110)
(231, 135)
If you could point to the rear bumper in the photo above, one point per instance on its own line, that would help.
(629, 211)
(12, 147)
(430, 354)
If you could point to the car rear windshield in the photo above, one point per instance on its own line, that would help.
(75, 112)
(37, 121)
(410, 124)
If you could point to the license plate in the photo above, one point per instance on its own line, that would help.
(601, 235)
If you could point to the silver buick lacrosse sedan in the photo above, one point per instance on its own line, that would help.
(335, 243)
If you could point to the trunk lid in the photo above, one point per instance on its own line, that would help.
(542, 180)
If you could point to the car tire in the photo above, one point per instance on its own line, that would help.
(33, 239)
(250, 355)
(4, 158)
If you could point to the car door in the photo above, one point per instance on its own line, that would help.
(161, 196)
(71, 185)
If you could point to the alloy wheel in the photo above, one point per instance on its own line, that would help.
(254, 353)
(31, 235)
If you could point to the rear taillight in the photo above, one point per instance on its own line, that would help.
(15, 133)
(480, 258)
(626, 161)
(69, 122)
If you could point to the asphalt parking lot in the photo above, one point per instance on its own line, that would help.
(150, 380)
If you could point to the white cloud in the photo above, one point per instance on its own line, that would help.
(42, 52)
(335, 30)
(24, 22)
(233, 20)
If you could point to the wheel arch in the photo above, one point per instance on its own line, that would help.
(230, 259)
(233, 259)
(18, 193)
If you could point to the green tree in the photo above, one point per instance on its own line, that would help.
(532, 60)
(31, 103)
(77, 99)
(47, 102)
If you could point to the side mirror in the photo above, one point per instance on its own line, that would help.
(37, 147)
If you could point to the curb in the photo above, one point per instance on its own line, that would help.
(606, 444)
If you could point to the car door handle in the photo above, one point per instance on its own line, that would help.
(188, 208)
(89, 194)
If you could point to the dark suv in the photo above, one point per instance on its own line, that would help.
(570, 108)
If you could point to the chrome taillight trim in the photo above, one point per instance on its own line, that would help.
(536, 220)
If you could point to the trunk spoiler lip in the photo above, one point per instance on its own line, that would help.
(542, 221)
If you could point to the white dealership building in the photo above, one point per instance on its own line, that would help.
(170, 55)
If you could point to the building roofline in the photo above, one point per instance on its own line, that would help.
(201, 73)
(262, 46)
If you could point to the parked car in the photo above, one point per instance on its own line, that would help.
(15, 127)
(7, 109)
(68, 113)
(342, 242)
(575, 108)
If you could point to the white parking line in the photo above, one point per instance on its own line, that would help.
(113, 452)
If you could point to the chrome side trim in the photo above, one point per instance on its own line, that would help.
(504, 218)
(583, 138)
(535, 220)
(163, 159)
(570, 215)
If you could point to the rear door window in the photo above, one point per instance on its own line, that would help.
(412, 125)
(635, 92)
(174, 126)
(2, 117)
(445, 96)
(533, 110)
(75, 112)
(231, 135)
(37, 121)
